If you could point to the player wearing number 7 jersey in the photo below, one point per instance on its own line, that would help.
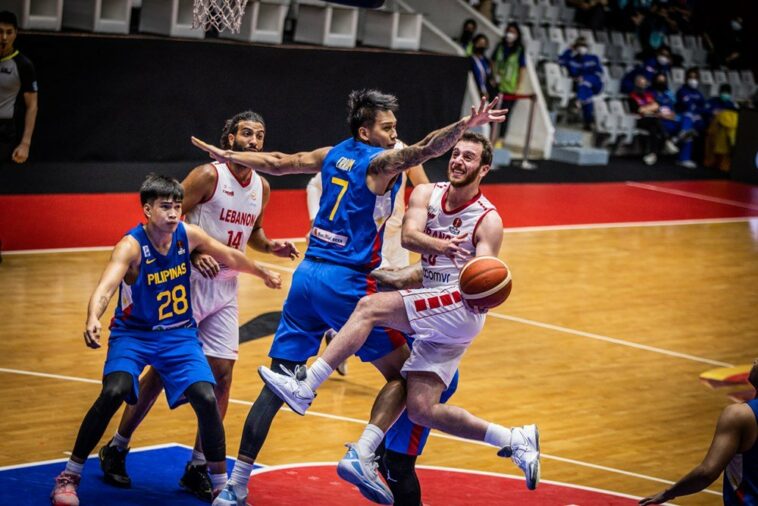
(360, 181)
(153, 325)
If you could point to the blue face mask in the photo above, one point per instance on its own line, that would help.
(726, 97)
(656, 39)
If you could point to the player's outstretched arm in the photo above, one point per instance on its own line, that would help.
(258, 240)
(276, 164)
(393, 161)
(726, 443)
(232, 258)
(413, 237)
(125, 254)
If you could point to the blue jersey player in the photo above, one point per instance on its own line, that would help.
(734, 450)
(360, 181)
(153, 325)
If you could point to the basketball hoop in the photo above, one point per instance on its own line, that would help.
(220, 14)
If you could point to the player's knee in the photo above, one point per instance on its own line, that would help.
(201, 396)
(116, 387)
(419, 413)
(223, 378)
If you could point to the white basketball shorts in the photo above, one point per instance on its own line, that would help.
(214, 305)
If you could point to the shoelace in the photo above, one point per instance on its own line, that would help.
(372, 463)
(65, 480)
(294, 375)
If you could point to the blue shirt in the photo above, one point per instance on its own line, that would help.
(690, 100)
(741, 474)
(160, 297)
(349, 225)
(581, 65)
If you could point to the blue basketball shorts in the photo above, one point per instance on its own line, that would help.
(176, 355)
(408, 438)
(323, 296)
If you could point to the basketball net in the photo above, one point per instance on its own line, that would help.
(220, 14)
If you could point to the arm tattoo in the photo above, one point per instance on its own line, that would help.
(432, 146)
(101, 305)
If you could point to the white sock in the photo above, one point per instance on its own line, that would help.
(198, 458)
(370, 440)
(241, 474)
(119, 441)
(74, 467)
(218, 481)
(318, 373)
(498, 436)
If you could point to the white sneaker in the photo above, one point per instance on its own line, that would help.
(687, 164)
(289, 388)
(669, 148)
(361, 472)
(650, 158)
(328, 336)
(525, 453)
(231, 496)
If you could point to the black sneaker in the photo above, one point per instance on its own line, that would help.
(197, 482)
(113, 464)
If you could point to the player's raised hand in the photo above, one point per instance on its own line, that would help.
(218, 154)
(284, 249)
(485, 113)
(272, 279)
(92, 333)
(205, 264)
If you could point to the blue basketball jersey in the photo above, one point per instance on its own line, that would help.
(160, 297)
(349, 225)
(741, 474)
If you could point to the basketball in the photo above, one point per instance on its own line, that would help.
(485, 282)
(368, 4)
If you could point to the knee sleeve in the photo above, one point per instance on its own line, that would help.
(261, 415)
(203, 401)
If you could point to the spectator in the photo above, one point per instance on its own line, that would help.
(660, 63)
(509, 61)
(587, 72)
(642, 102)
(482, 67)
(467, 36)
(16, 75)
(721, 117)
(730, 44)
(591, 13)
(690, 104)
(654, 28)
(678, 127)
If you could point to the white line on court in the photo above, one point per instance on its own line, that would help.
(364, 422)
(510, 230)
(692, 195)
(607, 339)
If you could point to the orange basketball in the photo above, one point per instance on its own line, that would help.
(485, 282)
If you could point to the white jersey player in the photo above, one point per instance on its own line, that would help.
(448, 224)
(227, 201)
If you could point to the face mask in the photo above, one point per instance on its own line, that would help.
(510, 37)
(726, 97)
(582, 50)
(663, 60)
(660, 86)
(480, 50)
(692, 83)
(736, 26)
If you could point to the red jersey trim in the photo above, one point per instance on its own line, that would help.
(473, 234)
(462, 207)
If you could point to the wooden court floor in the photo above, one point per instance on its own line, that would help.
(601, 344)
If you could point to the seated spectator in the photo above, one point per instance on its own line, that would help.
(482, 67)
(508, 61)
(467, 36)
(590, 13)
(654, 28)
(658, 64)
(730, 42)
(690, 105)
(587, 72)
(679, 127)
(721, 116)
(642, 102)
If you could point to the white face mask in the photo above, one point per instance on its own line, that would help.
(582, 50)
(692, 83)
(510, 37)
(663, 60)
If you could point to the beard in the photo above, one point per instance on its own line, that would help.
(238, 146)
(465, 181)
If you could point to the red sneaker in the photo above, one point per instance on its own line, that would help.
(64, 493)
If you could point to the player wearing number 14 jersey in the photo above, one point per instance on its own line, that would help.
(227, 201)
(360, 181)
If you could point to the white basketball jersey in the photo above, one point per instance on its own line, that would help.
(229, 215)
(439, 270)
